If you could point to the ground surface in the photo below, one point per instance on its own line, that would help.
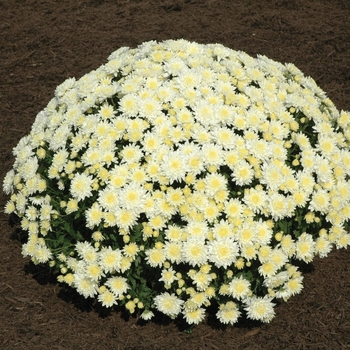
(44, 42)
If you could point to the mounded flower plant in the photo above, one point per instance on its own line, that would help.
(178, 176)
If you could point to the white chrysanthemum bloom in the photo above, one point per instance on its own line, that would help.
(107, 298)
(42, 254)
(234, 208)
(109, 198)
(260, 309)
(223, 252)
(94, 215)
(243, 173)
(272, 175)
(305, 247)
(85, 285)
(132, 197)
(10, 207)
(173, 166)
(147, 315)
(228, 313)
(118, 285)
(86, 251)
(278, 206)
(263, 232)
(124, 218)
(81, 186)
(197, 230)
(28, 169)
(215, 183)
(131, 154)
(255, 199)
(8, 182)
(320, 201)
(202, 280)
(246, 234)
(168, 304)
(168, 276)
(306, 181)
(155, 257)
(94, 271)
(173, 251)
(222, 229)
(194, 316)
(110, 259)
(195, 252)
(239, 288)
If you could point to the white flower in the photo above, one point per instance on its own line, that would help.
(305, 247)
(228, 313)
(109, 198)
(131, 154)
(94, 215)
(195, 252)
(213, 154)
(223, 252)
(215, 183)
(85, 286)
(86, 251)
(155, 257)
(194, 316)
(168, 304)
(278, 206)
(243, 173)
(197, 230)
(239, 287)
(272, 176)
(132, 197)
(118, 285)
(8, 182)
(147, 315)
(80, 187)
(261, 309)
(59, 159)
(110, 259)
(42, 254)
(259, 148)
(94, 271)
(255, 199)
(124, 218)
(29, 168)
(107, 299)
(173, 252)
(168, 276)
(320, 201)
(173, 166)
(202, 280)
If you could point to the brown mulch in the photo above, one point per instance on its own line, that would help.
(44, 42)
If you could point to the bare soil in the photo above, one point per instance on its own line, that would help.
(43, 42)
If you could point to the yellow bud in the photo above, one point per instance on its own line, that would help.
(181, 283)
(278, 236)
(159, 245)
(102, 289)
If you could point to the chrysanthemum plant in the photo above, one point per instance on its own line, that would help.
(178, 176)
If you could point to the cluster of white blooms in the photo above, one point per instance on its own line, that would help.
(178, 175)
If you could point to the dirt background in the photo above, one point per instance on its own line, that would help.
(44, 42)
